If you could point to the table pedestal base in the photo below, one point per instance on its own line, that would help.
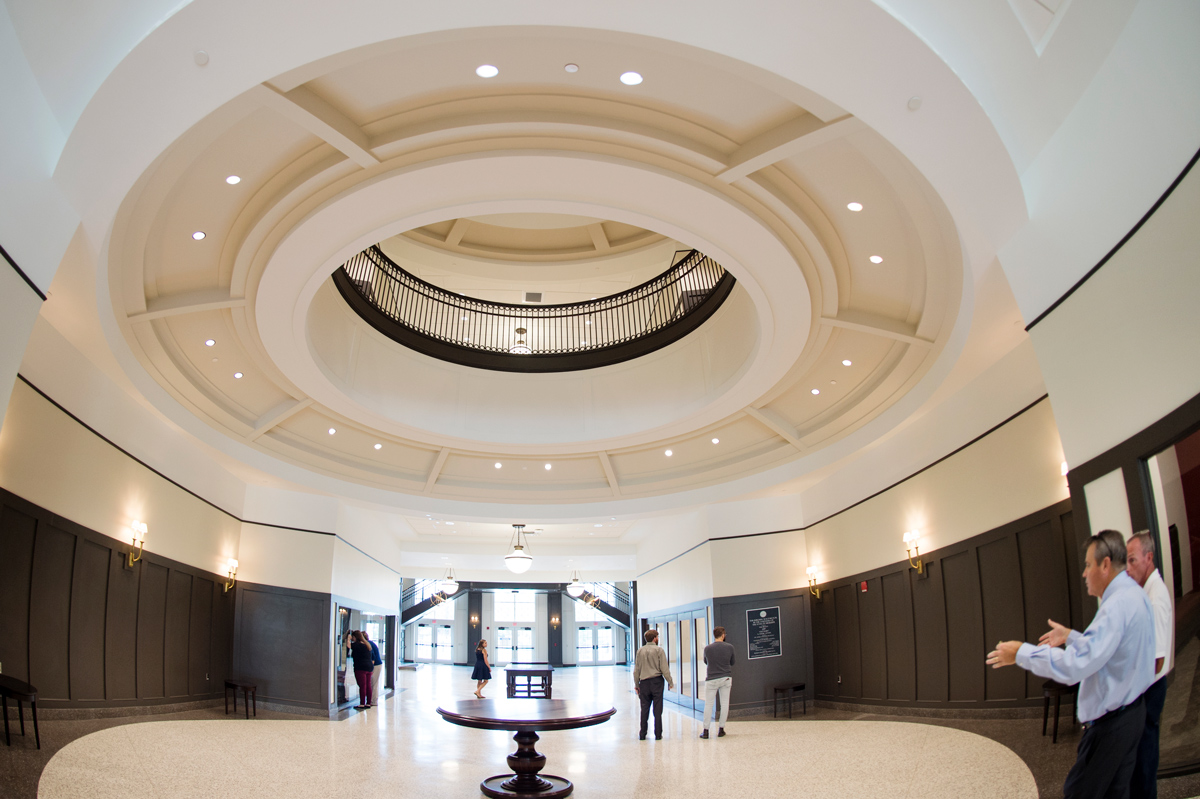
(526, 762)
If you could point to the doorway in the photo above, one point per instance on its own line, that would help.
(435, 643)
(595, 646)
(514, 645)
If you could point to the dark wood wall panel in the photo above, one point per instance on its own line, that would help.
(87, 630)
(849, 656)
(921, 639)
(964, 631)
(898, 634)
(281, 643)
(200, 637)
(177, 634)
(873, 641)
(89, 594)
(50, 611)
(1003, 612)
(16, 567)
(1045, 577)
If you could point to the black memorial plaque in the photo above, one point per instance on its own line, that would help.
(762, 633)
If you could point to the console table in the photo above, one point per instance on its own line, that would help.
(530, 680)
(526, 717)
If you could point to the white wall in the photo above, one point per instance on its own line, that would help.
(1120, 353)
(1108, 504)
(356, 576)
(50, 460)
(682, 581)
(18, 310)
(759, 564)
(286, 558)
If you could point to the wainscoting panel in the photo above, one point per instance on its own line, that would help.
(921, 640)
(88, 631)
(282, 643)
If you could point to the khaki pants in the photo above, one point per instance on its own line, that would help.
(375, 686)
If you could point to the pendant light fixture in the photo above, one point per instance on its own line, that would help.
(449, 585)
(520, 348)
(518, 561)
(575, 588)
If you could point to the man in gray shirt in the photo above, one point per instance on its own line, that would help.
(718, 656)
(650, 670)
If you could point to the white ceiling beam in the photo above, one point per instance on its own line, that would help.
(436, 471)
(784, 141)
(610, 473)
(877, 326)
(187, 302)
(776, 425)
(599, 237)
(277, 415)
(457, 231)
(318, 117)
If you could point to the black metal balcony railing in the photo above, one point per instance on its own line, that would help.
(534, 338)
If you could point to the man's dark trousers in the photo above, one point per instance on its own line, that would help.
(1145, 774)
(1107, 754)
(651, 691)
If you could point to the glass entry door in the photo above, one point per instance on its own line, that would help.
(594, 646)
(514, 645)
(684, 636)
(435, 642)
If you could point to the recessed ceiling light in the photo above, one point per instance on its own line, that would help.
(816, 391)
(466, 338)
(587, 321)
(572, 68)
(237, 375)
(464, 318)
(854, 206)
(233, 180)
(716, 441)
(631, 78)
(498, 464)
(583, 343)
(669, 453)
(198, 235)
(450, 524)
(486, 71)
(209, 342)
(332, 430)
(833, 382)
(846, 362)
(597, 525)
(547, 467)
(876, 259)
(379, 446)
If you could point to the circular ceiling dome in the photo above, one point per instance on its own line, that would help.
(556, 184)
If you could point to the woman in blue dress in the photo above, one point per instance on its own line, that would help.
(483, 671)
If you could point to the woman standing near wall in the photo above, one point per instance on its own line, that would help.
(364, 665)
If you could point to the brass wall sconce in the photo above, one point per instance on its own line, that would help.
(139, 542)
(474, 620)
(554, 621)
(233, 567)
(812, 581)
(911, 539)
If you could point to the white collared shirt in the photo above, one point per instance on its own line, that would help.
(1164, 622)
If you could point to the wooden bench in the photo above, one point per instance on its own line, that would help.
(250, 692)
(788, 691)
(1050, 688)
(12, 688)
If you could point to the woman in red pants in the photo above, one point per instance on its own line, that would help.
(364, 665)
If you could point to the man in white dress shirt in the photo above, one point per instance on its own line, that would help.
(1113, 662)
(1141, 568)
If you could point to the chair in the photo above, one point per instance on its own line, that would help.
(1050, 688)
(249, 691)
(788, 691)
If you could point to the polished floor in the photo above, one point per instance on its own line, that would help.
(404, 749)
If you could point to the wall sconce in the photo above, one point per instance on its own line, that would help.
(554, 622)
(139, 542)
(812, 581)
(911, 548)
(233, 564)
(474, 620)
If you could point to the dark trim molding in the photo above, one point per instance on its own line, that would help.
(823, 519)
(28, 281)
(1119, 244)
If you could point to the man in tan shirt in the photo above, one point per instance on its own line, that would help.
(650, 670)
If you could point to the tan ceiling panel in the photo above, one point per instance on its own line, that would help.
(566, 474)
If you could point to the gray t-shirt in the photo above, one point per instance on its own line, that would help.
(719, 657)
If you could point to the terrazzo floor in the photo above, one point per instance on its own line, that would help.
(403, 749)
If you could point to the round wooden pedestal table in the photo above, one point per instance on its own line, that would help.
(526, 717)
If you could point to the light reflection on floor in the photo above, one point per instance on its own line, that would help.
(404, 749)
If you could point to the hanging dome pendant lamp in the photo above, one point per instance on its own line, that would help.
(518, 561)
